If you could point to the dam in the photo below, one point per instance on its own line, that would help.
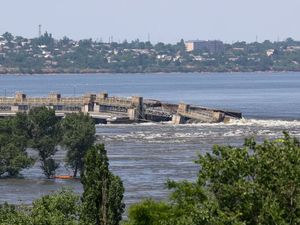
(106, 109)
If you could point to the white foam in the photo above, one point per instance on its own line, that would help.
(248, 122)
(233, 133)
(147, 124)
(241, 122)
(265, 123)
(169, 133)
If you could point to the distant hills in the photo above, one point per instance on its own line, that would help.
(48, 55)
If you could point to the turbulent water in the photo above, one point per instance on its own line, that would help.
(146, 155)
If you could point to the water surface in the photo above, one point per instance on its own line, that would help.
(146, 155)
(256, 95)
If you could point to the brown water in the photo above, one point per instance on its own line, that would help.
(146, 155)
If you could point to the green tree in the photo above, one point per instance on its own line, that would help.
(249, 185)
(61, 208)
(103, 191)
(13, 143)
(259, 182)
(13, 160)
(9, 215)
(8, 36)
(78, 137)
(149, 212)
(44, 132)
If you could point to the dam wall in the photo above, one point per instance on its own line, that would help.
(106, 109)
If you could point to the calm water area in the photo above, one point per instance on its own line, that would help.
(146, 155)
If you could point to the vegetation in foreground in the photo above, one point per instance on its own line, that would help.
(100, 204)
(248, 185)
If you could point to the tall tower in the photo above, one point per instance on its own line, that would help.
(40, 30)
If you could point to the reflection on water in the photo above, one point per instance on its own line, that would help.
(146, 155)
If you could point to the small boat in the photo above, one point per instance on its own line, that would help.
(64, 177)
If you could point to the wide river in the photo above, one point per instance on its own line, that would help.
(146, 155)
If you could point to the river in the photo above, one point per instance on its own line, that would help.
(146, 155)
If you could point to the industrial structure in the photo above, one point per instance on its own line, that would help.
(105, 109)
(212, 47)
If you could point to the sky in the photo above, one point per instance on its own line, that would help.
(157, 20)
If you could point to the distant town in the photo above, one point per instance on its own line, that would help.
(44, 54)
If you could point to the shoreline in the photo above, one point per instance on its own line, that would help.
(144, 73)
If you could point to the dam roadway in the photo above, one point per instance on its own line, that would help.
(105, 109)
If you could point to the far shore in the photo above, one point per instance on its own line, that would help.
(97, 72)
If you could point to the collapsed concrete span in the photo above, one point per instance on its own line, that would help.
(105, 109)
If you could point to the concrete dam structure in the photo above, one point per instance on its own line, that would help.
(105, 109)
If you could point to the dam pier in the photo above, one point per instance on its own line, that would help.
(106, 109)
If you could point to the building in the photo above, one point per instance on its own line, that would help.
(270, 52)
(205, 46)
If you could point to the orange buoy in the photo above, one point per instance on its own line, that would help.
(65, 177)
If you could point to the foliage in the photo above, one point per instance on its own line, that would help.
(259, 182)
(44, 132)
(13, 142)
(8, 36)
(103, 191)
(9, 215)
(61, 208)
(47, 55)
(78, 136)
(149, 212)
(13, 160)
(102, 199)
(115, 199)
(41, 129)
(253, 184)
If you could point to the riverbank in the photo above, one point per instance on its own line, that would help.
(16, 71)
(48, 55)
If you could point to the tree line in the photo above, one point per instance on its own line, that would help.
(41, 130)
(48, 55)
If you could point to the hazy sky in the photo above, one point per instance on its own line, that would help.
(164, 20)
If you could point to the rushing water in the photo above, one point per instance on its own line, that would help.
(146, 155)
